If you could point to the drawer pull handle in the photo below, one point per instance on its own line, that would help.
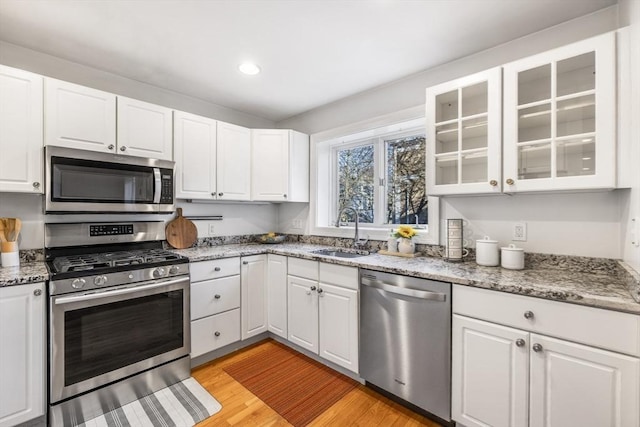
(216, 269)
(528, 314)
(537, 348)
(216, 333)
(520, 342)
(216, 296)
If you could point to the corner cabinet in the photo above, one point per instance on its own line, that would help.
(254, 295)
(277, 294)
(22, 353)
(560, 118)
(539, 363)
(464, 123)
(20, 131)
(279, 165)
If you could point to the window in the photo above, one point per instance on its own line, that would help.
(383, 178)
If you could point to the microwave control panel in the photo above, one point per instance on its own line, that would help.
(166, 179)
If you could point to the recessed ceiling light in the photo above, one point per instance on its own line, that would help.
(249, 68)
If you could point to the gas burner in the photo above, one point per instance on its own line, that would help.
(98, 261)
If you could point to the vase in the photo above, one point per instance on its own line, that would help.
(406, 246)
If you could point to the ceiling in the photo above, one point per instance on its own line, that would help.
(312, 52)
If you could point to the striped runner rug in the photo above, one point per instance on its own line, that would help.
(295, 386)
(183, 404)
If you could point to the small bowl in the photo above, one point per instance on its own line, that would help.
(272, 240)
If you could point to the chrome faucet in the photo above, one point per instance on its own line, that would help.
(357, 243)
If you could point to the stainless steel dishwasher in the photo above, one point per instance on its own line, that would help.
(405, 339)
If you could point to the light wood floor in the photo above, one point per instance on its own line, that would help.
(360, 407)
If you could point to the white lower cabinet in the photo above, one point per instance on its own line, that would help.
(253, 295)
(215, 304)
(323, 310)
(22, 362)
(506, 376)
(277, 294)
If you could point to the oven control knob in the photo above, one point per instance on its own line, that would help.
(78, 283)
(158, 272)
(100, 280)
(174, 270)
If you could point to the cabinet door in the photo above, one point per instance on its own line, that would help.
(144, 129)
(234, 162)
(560, 118)
(277, 294)
(253, 295)
(464, 125)
(269, 164)
(489, 378)
(79, 117)
(22, 357)
(195, 156)
(302, 312)
(577, 385)
(20, 131)
(338, 319)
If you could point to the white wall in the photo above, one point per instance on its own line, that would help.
(587, 224)
(51, 66)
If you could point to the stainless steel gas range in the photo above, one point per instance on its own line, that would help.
(119, 319)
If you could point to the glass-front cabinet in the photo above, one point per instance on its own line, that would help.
(560, 118)
(464, 135)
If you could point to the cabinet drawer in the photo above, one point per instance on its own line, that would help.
(302, 268)
(339, 275)
(213, 332)
(606, 329)
(214, 296)
(205, 270)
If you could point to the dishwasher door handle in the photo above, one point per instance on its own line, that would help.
(407, 292)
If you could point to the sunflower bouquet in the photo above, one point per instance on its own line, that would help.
(405, 231)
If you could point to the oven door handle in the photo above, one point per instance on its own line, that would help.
(158, 185)
(116, 292)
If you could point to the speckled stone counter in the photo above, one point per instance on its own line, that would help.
(25, 273)
(607, 288)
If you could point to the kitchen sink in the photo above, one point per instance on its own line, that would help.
(341, 253)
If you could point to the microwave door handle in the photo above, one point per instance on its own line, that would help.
(158, 185)
(116, 292)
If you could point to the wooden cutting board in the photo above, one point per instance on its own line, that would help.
(180, 232)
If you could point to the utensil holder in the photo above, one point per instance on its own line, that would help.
(10, 256)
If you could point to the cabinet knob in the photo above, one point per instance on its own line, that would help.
(313, 288)
(36, 185)
(528, 314)
(537, 348)
(510, 181)
(216, 269)
(493, 183)
(216, 296)
(520, 342)
(245, 262)
(123, 148)
(320, 290)
(110, 146)
(284, 195)
(213, 194)
(216, 333)
(220, 194)
(37, 292)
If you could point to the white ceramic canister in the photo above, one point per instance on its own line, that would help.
(487, 253)
(512, 257)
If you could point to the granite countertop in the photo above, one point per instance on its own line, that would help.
(603, 289)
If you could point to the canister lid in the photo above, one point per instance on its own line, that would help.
(486, 239)
(512, 248)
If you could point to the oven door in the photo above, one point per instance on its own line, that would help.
(102, 336)
(80, 181)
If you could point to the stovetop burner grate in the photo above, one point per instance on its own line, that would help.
(98, 261)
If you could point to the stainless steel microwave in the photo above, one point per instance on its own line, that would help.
(80, 181)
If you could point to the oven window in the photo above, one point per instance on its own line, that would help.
(106, 337)
(75, 180)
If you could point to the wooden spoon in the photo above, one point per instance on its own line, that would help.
(9, 227)
(16, 230)
(3, 237)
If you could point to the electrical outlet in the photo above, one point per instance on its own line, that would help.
(212, 230)
(297, 223)
(520, 232)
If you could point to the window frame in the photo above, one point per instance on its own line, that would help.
(323, 201)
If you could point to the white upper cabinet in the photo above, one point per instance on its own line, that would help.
(144, 129)
(464, 125)
(279, 165)
(560, 118)
(233, 162)
(79, 117)
(20, 131)
(195, 156)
